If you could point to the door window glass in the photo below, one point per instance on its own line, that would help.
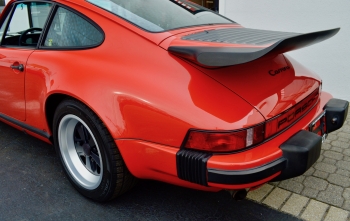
(40, 11)
(20, 20)
(26, 24)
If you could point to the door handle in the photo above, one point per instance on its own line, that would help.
(19, 67)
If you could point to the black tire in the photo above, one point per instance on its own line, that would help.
(88, 153)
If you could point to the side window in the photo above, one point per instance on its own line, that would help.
(68, 29)
(26, 24)
(20, 20)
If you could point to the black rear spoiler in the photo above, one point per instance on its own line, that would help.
(251, 45)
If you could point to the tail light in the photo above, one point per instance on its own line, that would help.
(225, 141)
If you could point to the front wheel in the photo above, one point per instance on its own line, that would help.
(88, 153)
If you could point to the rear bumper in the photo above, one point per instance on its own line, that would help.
(289, 154)
(298, 154)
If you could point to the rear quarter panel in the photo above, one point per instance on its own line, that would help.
(137, 88)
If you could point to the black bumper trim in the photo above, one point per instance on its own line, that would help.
(301, 151)
(192, 166)
(336, 113)
(246, 176)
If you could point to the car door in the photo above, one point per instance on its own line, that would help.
(20, 32)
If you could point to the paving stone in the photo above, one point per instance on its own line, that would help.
(332, 195)
(325, 167)
(309, 172)
(346, 152)
(320, 158)
(291, 185)
(299, 179)
(341, 134)
(329, 161)
(330, 198)
(336, 214)
(259, 194)
(346, 158)
(339, 180)
(343, 172)
(337, 149)
(321, 174)
(346, 205)
(274, 183)
(309, 192)
(276, 198)
(343, 165)
(315, 183)
(332, 137)
(333, 155)
(335, 189)
(346, 128)
(340, 144)
(326, 146)
(314, 211)
(295, 204)
(346, 194)
(345, 140)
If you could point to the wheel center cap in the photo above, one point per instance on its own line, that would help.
(87, 149)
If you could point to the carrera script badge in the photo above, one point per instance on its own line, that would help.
(278, 71)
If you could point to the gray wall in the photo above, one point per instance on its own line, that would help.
(329, 59)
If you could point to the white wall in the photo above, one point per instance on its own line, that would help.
(329, 59)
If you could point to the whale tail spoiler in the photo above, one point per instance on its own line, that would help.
(247, 45)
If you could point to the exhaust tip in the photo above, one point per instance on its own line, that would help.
(240, 195)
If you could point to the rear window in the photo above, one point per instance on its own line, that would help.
(161, 15)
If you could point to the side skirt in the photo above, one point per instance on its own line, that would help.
(26, 127)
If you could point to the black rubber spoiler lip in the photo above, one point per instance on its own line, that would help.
(228, 56)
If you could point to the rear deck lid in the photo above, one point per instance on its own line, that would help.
(272, 86)
(251, 63)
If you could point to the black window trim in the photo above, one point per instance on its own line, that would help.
(69, 48)
(4, 16)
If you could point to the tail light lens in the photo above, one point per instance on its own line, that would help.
(225, 141)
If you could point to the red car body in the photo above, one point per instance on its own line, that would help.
(155, 96)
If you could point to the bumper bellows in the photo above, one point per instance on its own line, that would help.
(192, 166)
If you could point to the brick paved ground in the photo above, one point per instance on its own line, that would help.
(323, 192)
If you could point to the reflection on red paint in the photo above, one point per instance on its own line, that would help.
(290, 116)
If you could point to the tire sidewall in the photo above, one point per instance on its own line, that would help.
(107, 184)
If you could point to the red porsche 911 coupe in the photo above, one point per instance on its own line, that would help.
(164, 90)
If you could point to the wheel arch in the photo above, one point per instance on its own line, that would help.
(52, 102)
(51, 105)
